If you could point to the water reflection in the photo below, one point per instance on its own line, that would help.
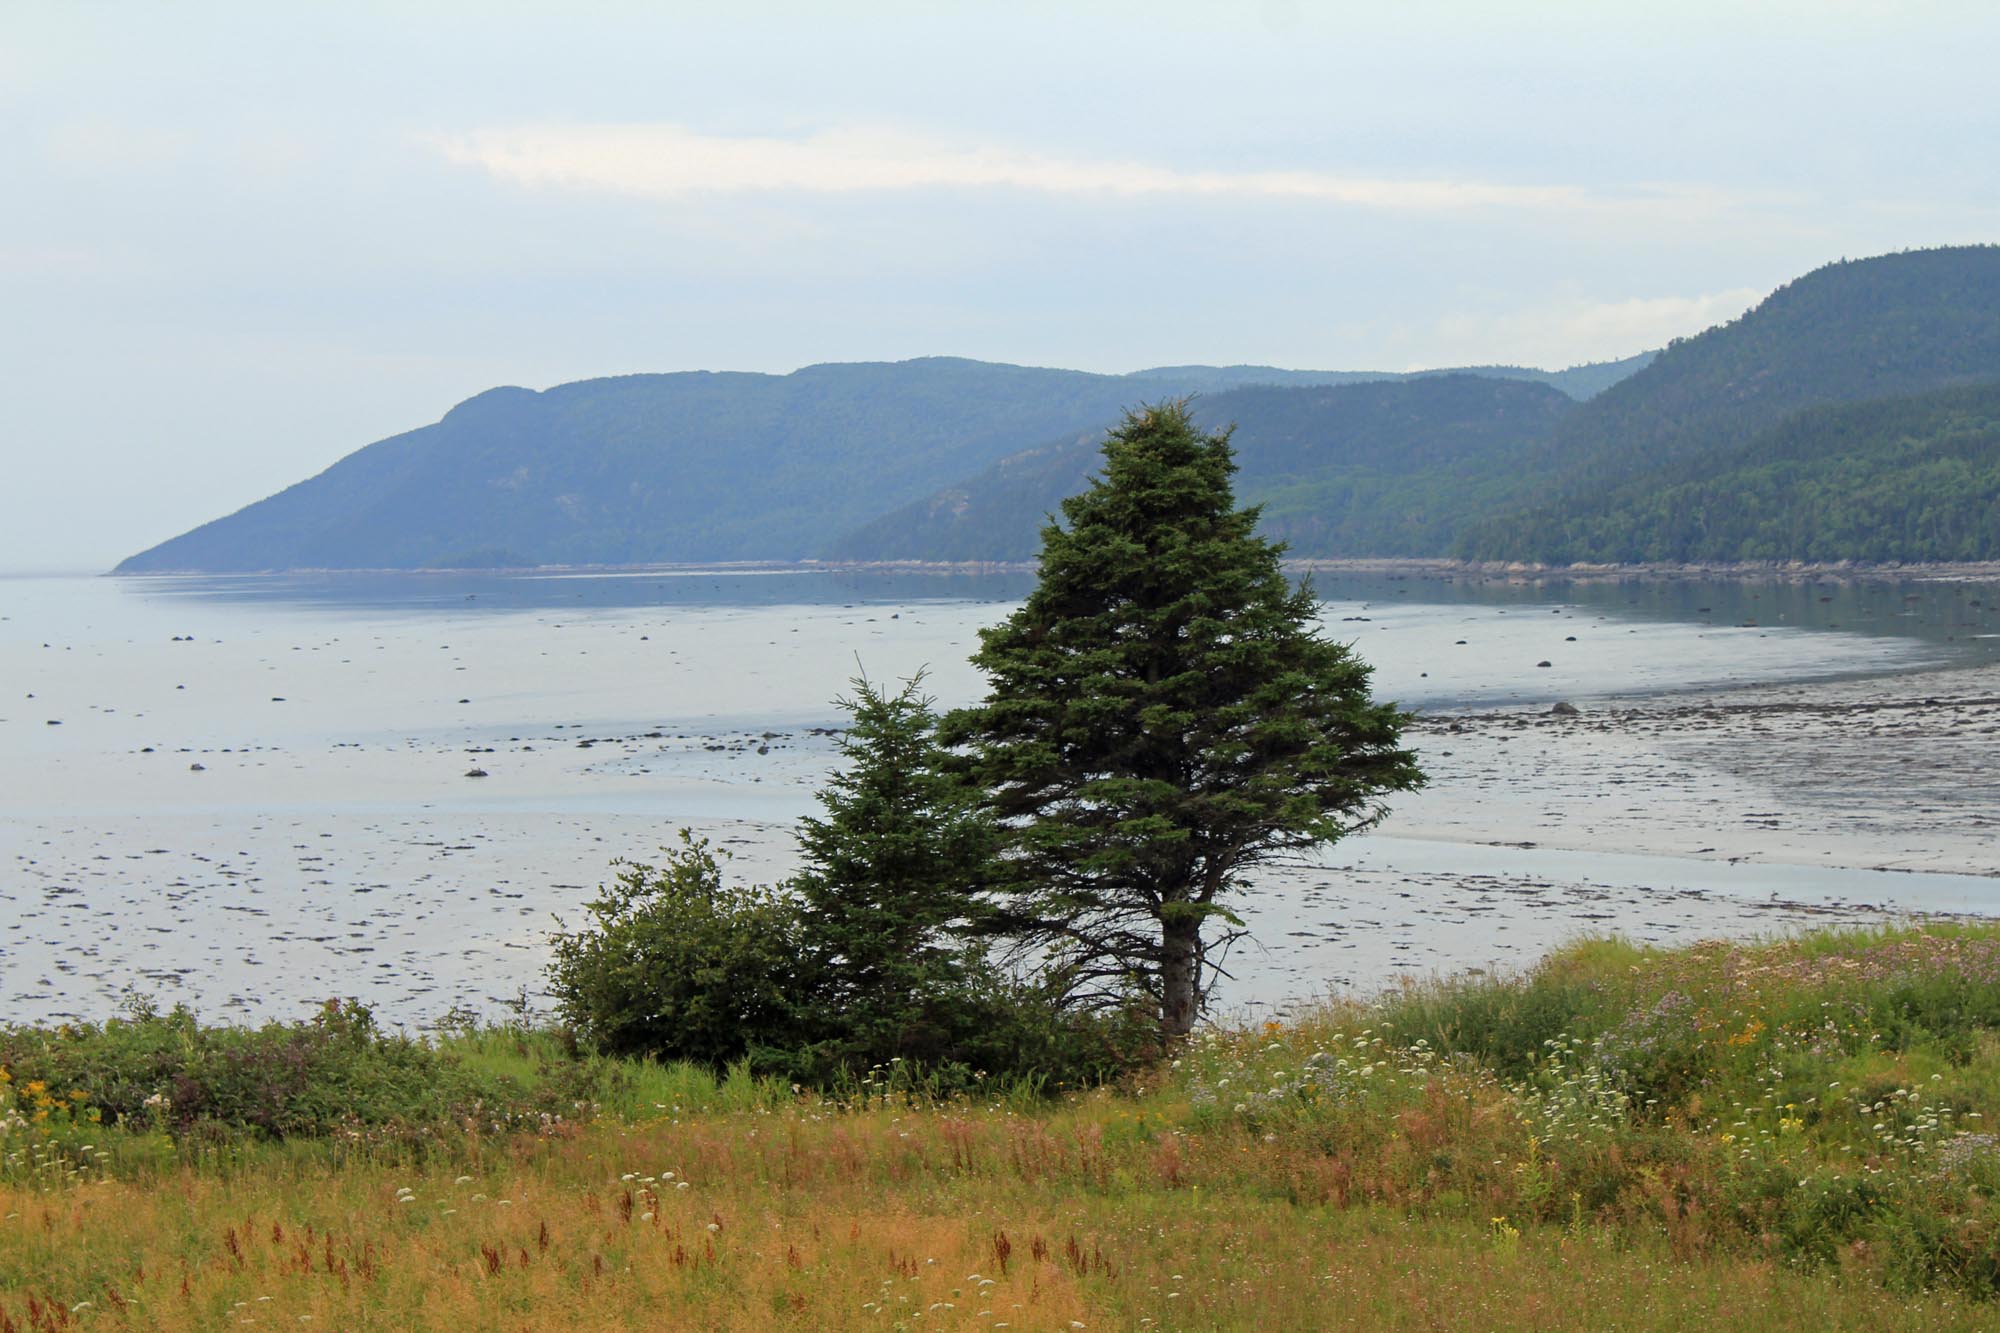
(1964, 615)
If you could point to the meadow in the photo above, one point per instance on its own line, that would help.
(1783, 1134)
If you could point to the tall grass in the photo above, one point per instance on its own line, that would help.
(1790, 1134)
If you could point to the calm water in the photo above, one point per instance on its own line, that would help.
(250, 792)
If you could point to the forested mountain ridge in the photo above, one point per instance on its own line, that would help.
(1384, 468)
(693, 466)
(1914, 478)
(948, 459)
(1852, 331)
(1579, 382)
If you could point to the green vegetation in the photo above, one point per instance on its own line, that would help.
(860, 963)
(1161, 717)
(1782, 1135)
(1721, 447)
(892, 881)
(1901, 479)
(1377, 469)
(678, 962)
(1852, 332)
(1657, 457)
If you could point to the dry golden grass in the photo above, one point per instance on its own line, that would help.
(953, 1219)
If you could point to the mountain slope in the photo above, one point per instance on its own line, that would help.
(1579, 382)
(1905, 479)
(683, 467)
(1383, 468)
(695, 466)
(1849, 332)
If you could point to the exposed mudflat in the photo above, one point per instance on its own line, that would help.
(250, 803)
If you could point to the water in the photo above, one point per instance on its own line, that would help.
(253, 792)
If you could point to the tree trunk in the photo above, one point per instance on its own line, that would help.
(1179, 944)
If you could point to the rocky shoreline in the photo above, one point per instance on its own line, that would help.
(1883, 773)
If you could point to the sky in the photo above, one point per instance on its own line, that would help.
(238, 241)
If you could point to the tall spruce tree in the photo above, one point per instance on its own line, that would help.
(1162, 717)
(892, 875)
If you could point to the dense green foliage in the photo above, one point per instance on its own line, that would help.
(1360, 469)
(334, 1074)
(1902, 479)
(860, 963)
(1891, 326)
(680, 963)
(682, 467)
(891, 881)
(1160, 718)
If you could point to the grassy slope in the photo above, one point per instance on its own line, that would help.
(1784, 1136)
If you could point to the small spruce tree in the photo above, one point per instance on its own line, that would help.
(1162, 717)
(893, 870)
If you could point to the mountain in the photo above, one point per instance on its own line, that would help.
(1578, 382)
(1857, 330)
(1376, 468)
(679, 467)
(924, 459)
(1913, 478)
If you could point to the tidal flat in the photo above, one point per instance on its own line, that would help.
(251, 794)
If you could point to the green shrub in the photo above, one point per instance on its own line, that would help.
(335, 1072)
(679, 965)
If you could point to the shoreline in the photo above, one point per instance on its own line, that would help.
(1886, 772)
(1749, 572)
(331, 842)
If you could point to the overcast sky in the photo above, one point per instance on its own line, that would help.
(240, 241)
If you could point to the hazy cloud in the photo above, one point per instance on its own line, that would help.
(116, 148)
(668, 160)
(1570, 332)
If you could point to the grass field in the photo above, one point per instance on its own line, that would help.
(1787, 1135)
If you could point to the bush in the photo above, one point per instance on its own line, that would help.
(334, 1072)
(681, 966)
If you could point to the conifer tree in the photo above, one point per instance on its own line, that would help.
(892, 875)
(1162, 717)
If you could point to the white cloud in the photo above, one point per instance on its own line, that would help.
(1575, 331)
(1651, 321)
(670, 160)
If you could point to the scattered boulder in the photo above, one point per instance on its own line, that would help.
(1563, 708)
(197, 768)
(476, 773)
(1545, 663)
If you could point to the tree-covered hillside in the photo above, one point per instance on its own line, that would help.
(694, 466)
(1579, 382)
(1387, 468)
(924, 459)
(1849, 332)
(1900, 479)
(683, 467)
